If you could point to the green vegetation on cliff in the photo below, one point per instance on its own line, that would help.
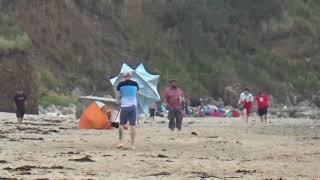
(62, 101)
(208, 45)
(211, 44)
(205, 44)
(11, 38)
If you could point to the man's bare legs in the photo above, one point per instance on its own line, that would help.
(19, 121)
(121, 129)
(133, 135)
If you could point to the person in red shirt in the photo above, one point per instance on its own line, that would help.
(263, 104)
(174, 98)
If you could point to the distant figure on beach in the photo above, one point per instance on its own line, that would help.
(174, 99)
(245, 104)
(263, 104)
(127, 91)
(20, 100)
(152, 110)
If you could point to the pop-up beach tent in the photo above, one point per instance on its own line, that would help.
(148, 92)
(99, 116)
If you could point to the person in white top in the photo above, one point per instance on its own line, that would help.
(245, 104)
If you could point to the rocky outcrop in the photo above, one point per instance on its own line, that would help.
(304, 109)
(53, 110)
(316, 99)
(231, 95)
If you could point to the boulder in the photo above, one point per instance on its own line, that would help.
(293, 99)
(304, 109)
(51, 109)
(231, 95)
(305, 103)
(229, 108)
(283, 114)
(67, 110)
(211, 101)
(288, 101)
(77, 92)
(41, 110)
(316, 99)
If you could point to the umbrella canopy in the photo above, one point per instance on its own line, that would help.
(148, 92)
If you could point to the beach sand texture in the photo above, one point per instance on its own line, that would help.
(207, 148)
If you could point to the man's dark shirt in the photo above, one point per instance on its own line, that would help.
(20, 100)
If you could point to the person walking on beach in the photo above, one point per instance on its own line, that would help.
(174, 99)
(152, 110)
(263, 104)
(245, 104)
(127, 90)
(20, 100)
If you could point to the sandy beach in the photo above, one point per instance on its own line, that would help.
(208, 148)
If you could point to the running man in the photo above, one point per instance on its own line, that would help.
(263, 104)
(20, 100)
(245, 104)
(174, 98)
(127, 90)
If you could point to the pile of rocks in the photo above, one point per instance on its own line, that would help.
(304, 109)
(53, 110)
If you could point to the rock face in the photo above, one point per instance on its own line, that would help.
(16, 72)
(231, 95)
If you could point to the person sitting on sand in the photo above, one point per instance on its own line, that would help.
(245, 104)
(127, 90)
(263, 104)
(20, 100)
(174, 98)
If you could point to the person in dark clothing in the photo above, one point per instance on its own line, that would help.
(20, 100)
(152, 110)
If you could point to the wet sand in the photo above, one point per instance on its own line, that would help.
(207, 148)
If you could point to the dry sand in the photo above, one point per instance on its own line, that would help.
(222, 149)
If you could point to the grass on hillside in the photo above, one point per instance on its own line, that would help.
(45, 80)
(62, 101)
